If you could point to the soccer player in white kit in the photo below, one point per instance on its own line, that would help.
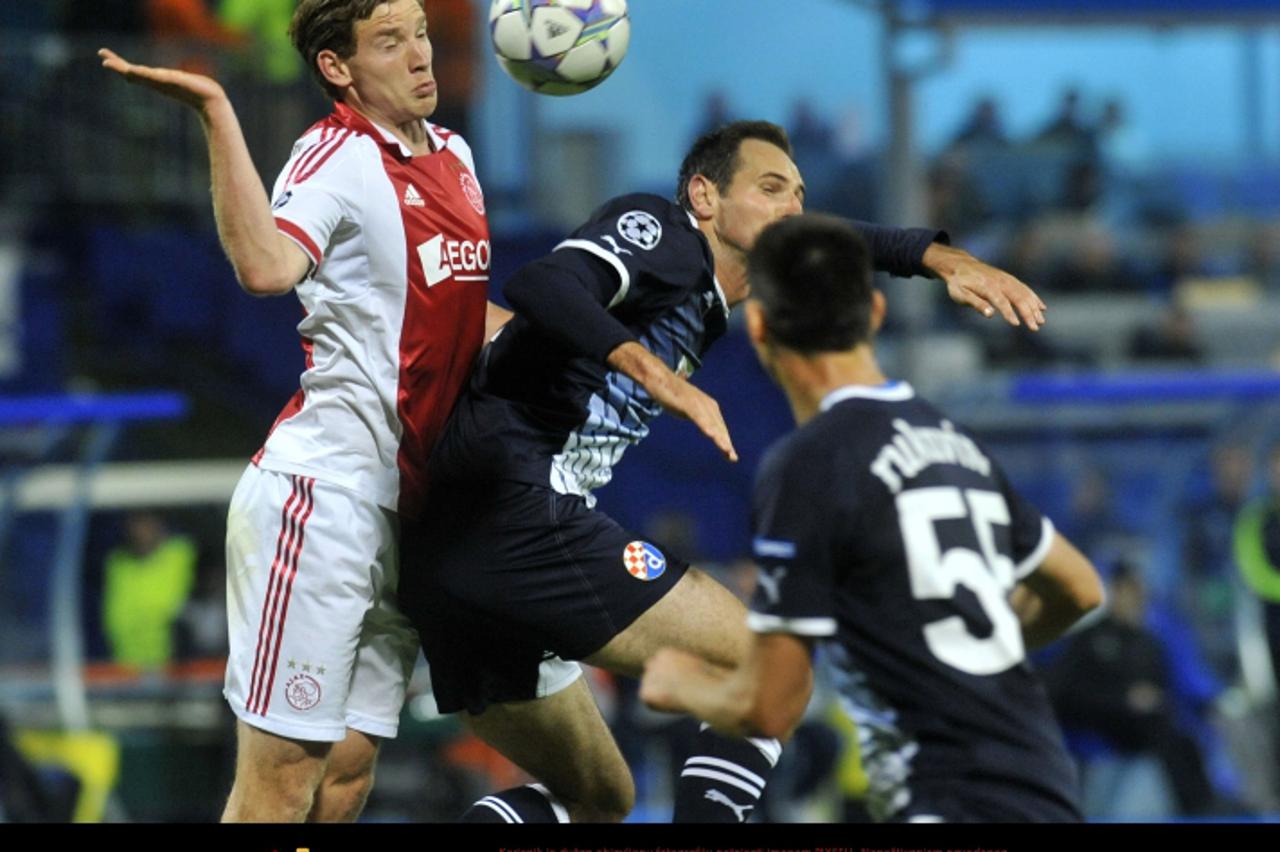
(377, 222)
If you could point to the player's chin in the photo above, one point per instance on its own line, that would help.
(426, 104)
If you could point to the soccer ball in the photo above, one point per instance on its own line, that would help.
(559, 47)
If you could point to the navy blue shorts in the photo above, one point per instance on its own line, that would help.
(499, 577)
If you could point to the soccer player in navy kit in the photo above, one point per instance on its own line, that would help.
(511, 571)
(889, 534)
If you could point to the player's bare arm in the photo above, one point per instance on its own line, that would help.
(983, 287)
(265, 261)
(674, 393)
(1051, 599)
(766, 696)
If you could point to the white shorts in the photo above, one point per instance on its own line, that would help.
(317, 643)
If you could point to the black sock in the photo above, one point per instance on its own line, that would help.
(530, 803)
(724, 777)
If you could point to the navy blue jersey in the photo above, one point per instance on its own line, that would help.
(541, 412)
(886, 529)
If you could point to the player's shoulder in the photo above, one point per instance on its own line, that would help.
(324, 146)
(641, 208)
(661, 230)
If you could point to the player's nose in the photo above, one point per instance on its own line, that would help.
(422, 54)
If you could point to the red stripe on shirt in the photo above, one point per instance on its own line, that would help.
(296, 233)
(329, 152)
(311, 153)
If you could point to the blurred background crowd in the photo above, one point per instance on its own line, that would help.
(1125, 164)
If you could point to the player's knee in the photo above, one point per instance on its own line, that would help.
(342, 799)
(261, 797)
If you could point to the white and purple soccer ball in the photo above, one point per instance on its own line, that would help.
(559, 47)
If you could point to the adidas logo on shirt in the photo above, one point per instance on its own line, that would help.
(412, 198)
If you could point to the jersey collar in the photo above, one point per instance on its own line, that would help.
(357, 122)
(892, 391)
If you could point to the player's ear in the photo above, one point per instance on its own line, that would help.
(333, 68)
(703, 196)
(878, 308)
(757, 327)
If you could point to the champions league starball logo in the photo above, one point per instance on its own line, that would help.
(640, 229)
(644, 561)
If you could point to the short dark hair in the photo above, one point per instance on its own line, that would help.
(328, 25)
(812, 276)
(714, 154)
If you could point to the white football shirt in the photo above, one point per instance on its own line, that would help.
(394, 305)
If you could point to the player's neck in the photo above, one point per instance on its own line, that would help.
(808, 379)
(730, 265)
(412, 134)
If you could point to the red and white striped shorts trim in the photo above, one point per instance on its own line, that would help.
(275, 606)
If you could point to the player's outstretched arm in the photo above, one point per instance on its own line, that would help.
(766, 696)
(1064, 589)
(674, 393)
(983, 287)
(265, 261)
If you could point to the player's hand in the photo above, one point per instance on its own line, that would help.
(674, 393)
(194, 90)
(693, 404)
(983, 287)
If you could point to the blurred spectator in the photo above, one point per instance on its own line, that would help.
(1208, 559)
(1091, 522)
(146, 583)
(1113, 681)
(808, 129)
(983, 127)
(1171, 338)
(28, 794)
(1183, 258)
(1026, 255)
(264, 26)
(853, 190)
(186, 31)
(1257, 550)
(715, 112)
(452, 26)
(1263, 257)
(1066, 127)
(1095, 265)
(263, 83)
(955, 200)
(1123, 148)
(813, 144)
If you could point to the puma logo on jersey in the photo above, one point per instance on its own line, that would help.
(740, 811)
(413, 198)
(464, 260)
(613, 244)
